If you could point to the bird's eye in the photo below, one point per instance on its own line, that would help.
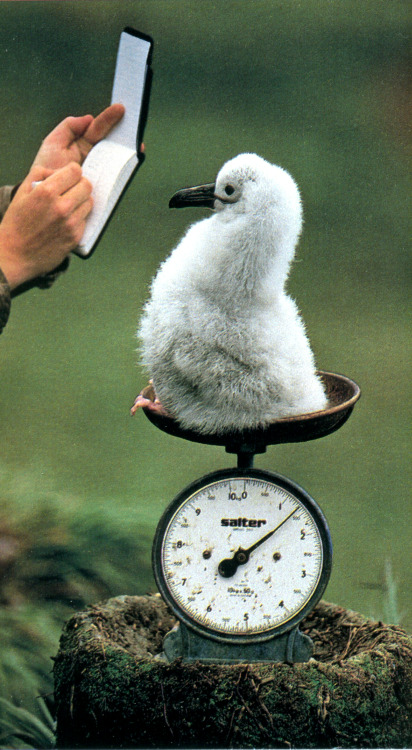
(229, 189)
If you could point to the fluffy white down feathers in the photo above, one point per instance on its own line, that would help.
(223, 342)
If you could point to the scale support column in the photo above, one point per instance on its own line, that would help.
(183, 642)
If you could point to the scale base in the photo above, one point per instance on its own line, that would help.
(183, 643)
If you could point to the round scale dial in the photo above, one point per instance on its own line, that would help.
(242, 555)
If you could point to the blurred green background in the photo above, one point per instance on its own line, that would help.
(320, 88)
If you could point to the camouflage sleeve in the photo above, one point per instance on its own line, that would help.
(5, 300)
(5, 297)
(5, 198)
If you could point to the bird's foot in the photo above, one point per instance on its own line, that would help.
(147, 399)
(147, 403)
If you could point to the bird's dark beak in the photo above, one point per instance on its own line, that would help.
(201, 195)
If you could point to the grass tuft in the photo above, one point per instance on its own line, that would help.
(21, 729)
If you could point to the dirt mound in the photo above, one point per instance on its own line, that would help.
(111, 691)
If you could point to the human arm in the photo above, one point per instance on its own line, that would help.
(42, 224)
(36, 237)
(28, 219)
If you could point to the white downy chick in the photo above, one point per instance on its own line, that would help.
(223, 342)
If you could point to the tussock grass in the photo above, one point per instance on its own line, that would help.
(21, 729)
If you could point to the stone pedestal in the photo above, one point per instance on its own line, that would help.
(111, 691)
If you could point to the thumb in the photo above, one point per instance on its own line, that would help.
(69, 130)
(77, 125)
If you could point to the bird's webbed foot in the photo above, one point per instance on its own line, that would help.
(147, 399)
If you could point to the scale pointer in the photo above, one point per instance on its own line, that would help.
(228, 567)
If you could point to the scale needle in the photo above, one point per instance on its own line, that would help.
(228, 567)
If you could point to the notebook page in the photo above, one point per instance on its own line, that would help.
(128, 86)
(108, 167)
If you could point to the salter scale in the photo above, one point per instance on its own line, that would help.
(242, 555)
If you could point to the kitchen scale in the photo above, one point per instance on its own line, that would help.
(242, 555)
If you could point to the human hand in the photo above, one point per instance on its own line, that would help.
(43, 224)
(74, 137)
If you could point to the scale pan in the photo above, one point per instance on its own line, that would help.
(342, 395)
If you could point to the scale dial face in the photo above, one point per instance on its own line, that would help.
(242, 555)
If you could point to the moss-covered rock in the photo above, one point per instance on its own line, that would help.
(112, 693)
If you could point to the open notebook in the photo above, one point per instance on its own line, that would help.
(111, 163)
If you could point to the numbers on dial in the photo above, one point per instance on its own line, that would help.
(267, 543)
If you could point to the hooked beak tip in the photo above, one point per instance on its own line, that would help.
(200, 195)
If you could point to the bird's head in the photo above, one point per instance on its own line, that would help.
(250, 186)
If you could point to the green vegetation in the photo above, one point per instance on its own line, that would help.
(318, 87)
(21, 729)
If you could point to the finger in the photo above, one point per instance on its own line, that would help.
(103, 123)
(71, 129)
(82, 211)
(63, 179)
(77, 195)
(76, 222)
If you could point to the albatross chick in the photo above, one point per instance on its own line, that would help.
(223, 342)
